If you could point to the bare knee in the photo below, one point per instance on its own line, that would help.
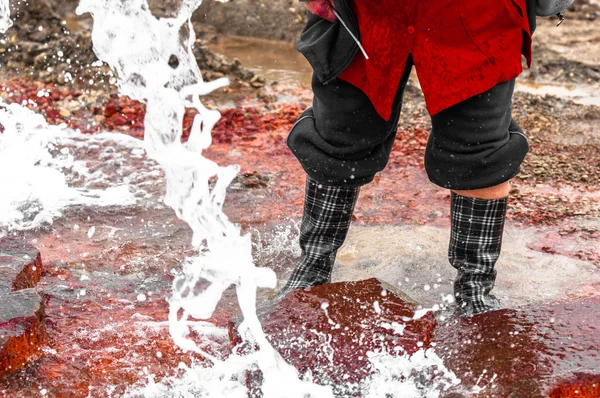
(495, 192)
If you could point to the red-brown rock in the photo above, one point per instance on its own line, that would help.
(329, 329)
(20, 265)
(581, 386)
(526, 352)
(22, 329)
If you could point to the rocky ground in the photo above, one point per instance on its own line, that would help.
(554, 216)
(559, 179)
(44, 46)
(569, 53)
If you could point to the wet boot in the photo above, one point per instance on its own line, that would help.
(475, 242)
(325, 223)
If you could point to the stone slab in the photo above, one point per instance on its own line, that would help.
(329, 329)
(581, 386)
(22, 329)
(526, 352)
(20, 265)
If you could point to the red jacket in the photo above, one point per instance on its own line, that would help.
(461, 48)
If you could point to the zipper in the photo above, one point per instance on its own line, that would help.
(351, 23)
(358, 43)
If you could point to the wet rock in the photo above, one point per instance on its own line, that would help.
(20, 265)
(21, 308)
(330, 329)
(523, 352)
(582, 386)
(22, 329)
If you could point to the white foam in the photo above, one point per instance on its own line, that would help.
(35, 188)
(5, 21)
(139, 47)
(421, 375)
(395, 376)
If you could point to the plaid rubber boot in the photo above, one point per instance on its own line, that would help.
(475, 242)
(325, 223)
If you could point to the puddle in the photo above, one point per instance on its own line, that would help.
(106, 291)
(588, 95)
(275, 60)
(414, 258)
(279, 61)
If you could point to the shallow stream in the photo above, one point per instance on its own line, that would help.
(108, 270)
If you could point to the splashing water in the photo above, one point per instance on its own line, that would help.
(395, 375)
(155, 64)
(35, 190)
(5, 21)
(141, 49)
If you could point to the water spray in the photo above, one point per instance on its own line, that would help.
(5, 21)
(139, 47)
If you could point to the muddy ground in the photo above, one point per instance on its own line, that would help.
(554, 208)
(284, 19)
(569, 54)
(52, 50)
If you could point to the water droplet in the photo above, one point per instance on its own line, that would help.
(377, 307)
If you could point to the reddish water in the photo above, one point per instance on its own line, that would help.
(103, 337)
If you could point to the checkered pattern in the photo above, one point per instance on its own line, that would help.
(325, 223)
(475, 242)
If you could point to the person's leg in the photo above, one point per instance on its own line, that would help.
(341, 140)
(325, 222)
(475, 148)
(496, 192)
(477, 227)
(341, 143)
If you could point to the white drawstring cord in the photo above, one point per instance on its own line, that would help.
(351, 34)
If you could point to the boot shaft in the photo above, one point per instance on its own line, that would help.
(475, 243)
(325, 222)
